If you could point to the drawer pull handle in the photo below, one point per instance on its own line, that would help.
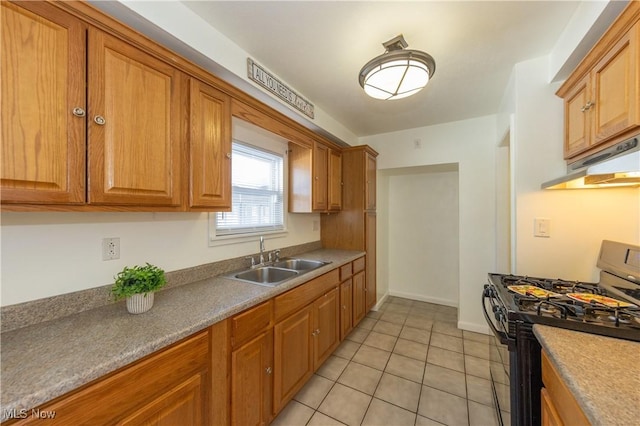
(78, 112)
(99, 120)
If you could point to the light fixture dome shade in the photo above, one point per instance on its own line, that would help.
(397, 73)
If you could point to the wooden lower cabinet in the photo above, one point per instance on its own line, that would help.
(559, 406)
(168, 387)
(359, 297)
(293, 357)
(251, 381)
(326, 332)
(346, 308)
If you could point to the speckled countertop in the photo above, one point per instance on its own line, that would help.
(43, 361)
(603, 373)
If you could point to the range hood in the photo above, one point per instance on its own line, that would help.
(616, 166)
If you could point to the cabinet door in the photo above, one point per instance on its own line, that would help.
(335, 180)
(370, 182)
(359, 299)
(370, 243)
(615, 88)
(251, 381)
(43, 80)
(326, 331)
(293, 356)
(320, 169)
(210, 147)
(134, 125)
(180, 405)
(346, 308)
(577, 119)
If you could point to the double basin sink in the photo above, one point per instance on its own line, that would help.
(277, 272)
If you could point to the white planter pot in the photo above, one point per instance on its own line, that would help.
(139, 303)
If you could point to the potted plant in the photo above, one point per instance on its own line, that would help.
(137, 285)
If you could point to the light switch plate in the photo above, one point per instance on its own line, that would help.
(542, 227)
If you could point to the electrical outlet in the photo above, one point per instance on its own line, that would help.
(110, 248)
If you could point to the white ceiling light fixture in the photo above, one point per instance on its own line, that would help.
(397, 73)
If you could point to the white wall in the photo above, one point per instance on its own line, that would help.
(580, 219)
(423, 222)
(46, 254)
(471, 145)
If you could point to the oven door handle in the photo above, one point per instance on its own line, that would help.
(501, 335)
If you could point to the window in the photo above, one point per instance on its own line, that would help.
(257, 192)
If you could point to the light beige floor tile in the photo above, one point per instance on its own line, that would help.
(477, 367)
(477, 349)
(380, 341)
(443, 407)
(332, 367)
(446, 328)
(482, 415)
(398, 309)
(415, 334)
(320, 419)
(390, 328)
(398, 391)
(345, 404)
(360, 377)
(411, 349)
(372, 357)
(314, 391)
(393, 317)
(418, 322)
(445, 379)
(374, 314)
(445, 358)
(408, 368)
(479, 390)
(367, 323)
(347, 349)
(423, 421)
(403, 301)
(381, 413)
(447, 342)
(358, 335)
(476, 337)
(294, 414)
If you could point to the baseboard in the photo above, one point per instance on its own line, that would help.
(476, 328)
(422, 298)
(380, 302)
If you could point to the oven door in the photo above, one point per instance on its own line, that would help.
(499, 354)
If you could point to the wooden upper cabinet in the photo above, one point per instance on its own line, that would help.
(615, 80)
(135, 144)
(210, 147)
(43, 82)
(370, 182)
(320, 177)
(601, 97)
(334, 184)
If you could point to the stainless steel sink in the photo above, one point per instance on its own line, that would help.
(278, 272)
(299, 264)
(266, 275)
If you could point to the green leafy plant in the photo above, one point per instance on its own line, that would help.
(139, 279)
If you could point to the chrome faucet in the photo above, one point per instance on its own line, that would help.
(261, 249)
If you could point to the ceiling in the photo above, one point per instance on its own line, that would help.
(318, 48)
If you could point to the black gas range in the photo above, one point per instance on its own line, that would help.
(512, 304)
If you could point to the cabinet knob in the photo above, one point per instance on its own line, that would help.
(78, 112)
(268, 370)
(228, 155)
(317, 178)
(99, 120)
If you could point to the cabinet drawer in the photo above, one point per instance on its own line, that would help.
(346, 271)
(250, 322)
(304, 294)
(358, 265)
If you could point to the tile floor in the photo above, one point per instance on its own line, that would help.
(406, 364)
